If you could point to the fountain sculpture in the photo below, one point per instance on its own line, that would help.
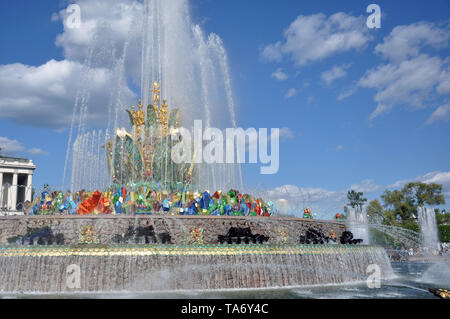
(145, 155)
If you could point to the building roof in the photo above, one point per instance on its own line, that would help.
(14, 158)
(16, 162)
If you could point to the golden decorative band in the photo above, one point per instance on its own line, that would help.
(213, 250)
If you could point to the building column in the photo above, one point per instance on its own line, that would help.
(13, 204)
(29, 189)
(2, 192)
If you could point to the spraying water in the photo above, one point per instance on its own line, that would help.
(428, 229)
(169, 271)
(192, 69)
(358, 223)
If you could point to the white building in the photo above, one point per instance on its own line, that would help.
(16, 179)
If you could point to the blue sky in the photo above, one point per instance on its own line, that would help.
(369, 111)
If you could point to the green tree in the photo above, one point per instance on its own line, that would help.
(375, 212)
(420, 194)
(403, 204)
(444, 233)
(396, 203)
(356, 199)
(443, 218)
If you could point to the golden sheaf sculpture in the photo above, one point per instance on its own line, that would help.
(144, 155)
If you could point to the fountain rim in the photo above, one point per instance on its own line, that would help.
(181, 250)
(186, 217)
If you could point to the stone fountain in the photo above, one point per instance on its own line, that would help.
(84, 252)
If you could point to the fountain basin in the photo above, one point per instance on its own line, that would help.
(168, 267)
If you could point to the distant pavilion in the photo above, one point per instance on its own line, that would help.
(16, 182)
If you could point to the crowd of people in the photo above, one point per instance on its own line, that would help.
(445, 249)
(442, 250)
(419, 252)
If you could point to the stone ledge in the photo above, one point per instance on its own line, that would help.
(180, 228)
(96, 217)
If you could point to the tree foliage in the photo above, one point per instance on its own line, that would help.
(443, 218)
(356, 199)
(420, 194)
(403, 203)
(399, 208)
(444, 233)
(375, 212)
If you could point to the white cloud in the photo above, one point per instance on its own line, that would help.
(279, 75)
(10, 147)
(291, 93)
(327, 202)
(55, 17)
(336, 72)
(273, 52)
(299, 194)
(366, 186)
(295, 199)
(104, 26)
(15, 148)
(45, 95)
(37, 151)
(444, 85)
(406, 41)
(441, 114)
(346, 94)
(339, 148)
(108, 48)
(313, 38)
(433, 177)
(411, 77)
(410, 83)
(286, 133)
(437, 177)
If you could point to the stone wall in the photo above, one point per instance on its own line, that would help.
(182, 229)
